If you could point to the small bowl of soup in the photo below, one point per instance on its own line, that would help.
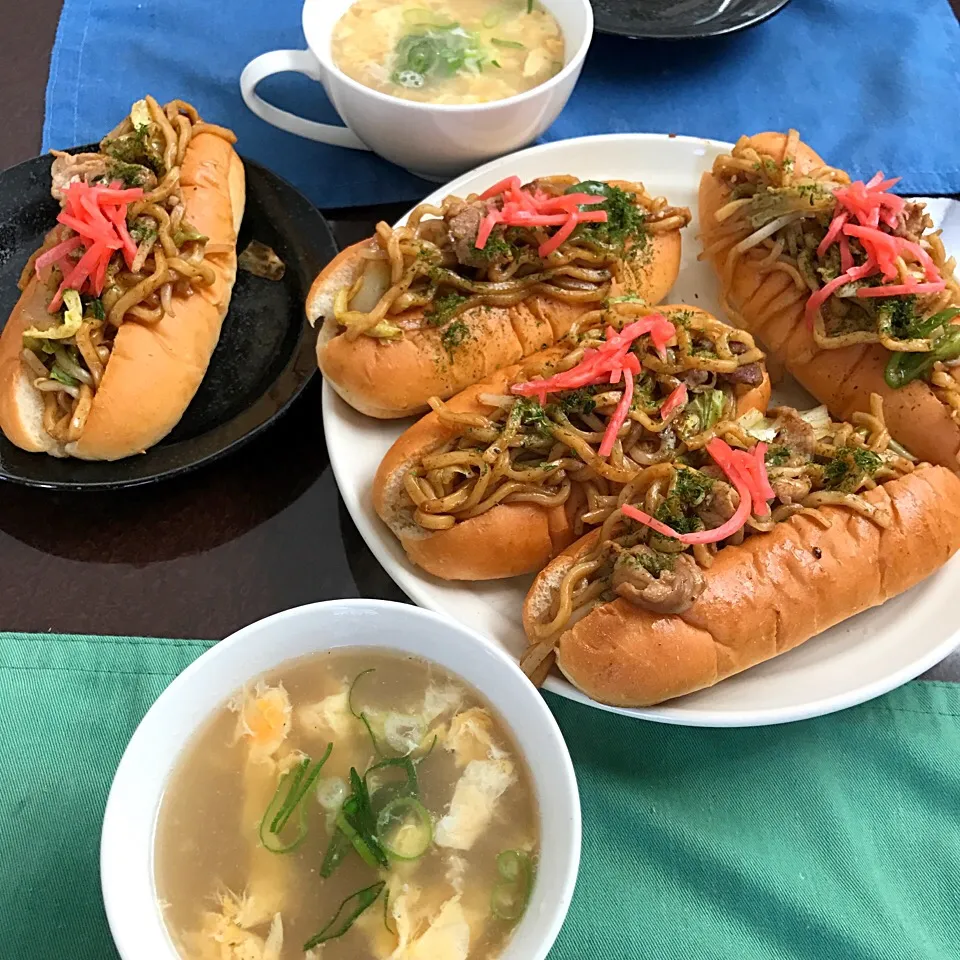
(436, 86)
(351, 780)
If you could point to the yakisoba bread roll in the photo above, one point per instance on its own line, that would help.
(122, 306)
(479, 283)
(846, 284)
(737, 555)
(497, 480)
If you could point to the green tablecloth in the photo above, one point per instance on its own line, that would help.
(832, 839)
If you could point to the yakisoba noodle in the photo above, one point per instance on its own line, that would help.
(522, 452)
(420, 262)
(778, 218)
(844, 460)
(170, 258)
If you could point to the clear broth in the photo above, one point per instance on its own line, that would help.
(448, 51)
(221, 891)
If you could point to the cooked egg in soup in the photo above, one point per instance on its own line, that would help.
(448, 51)
(354, 805)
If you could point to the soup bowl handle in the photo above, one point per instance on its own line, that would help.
(292, 61)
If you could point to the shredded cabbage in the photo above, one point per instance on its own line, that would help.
(140, 115)
(819, 419)
(72, 319)
(755, 424)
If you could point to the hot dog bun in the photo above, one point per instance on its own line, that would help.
(511, 538)
(154, 370)
(762, 598)
(395, 378)
(771, 307)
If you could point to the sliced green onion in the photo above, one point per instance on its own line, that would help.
(291, 790)
(506, 902)
(352, 907)
(339, 847)
(433, 743)
(386, 912)
(421, 17)
(382, 793)
(357, 821)
(509, 44)
(405, 829)
(512, 890)
(362, 716)
(359, 843)
(511, 864)
(529, 6)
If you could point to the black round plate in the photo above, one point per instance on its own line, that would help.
(265, 357)
(680, 19)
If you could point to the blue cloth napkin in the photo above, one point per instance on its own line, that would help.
(871, 84)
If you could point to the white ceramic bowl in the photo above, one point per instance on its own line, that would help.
(435, 141)
(126, 849)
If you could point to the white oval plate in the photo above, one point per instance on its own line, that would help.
(855, 661)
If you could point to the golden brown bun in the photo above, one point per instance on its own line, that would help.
(765, 597)
(771, 308)
(510, 539)
(154, 370)
(21, 406)
(395, 378)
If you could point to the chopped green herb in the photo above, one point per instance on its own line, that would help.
(777, 456)
(897, 317)
(454, 336)
(351, 908)
(129, 174)
(625, 225)
(531, 414)
(95, 306)
(691, 487)
(444, 308)
(682, 317)
(509, 44)
(496, 246)
(852, 465)
(673, 513)
(578, 401)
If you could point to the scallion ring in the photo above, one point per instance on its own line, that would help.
(512, 890)
(291, 790)
(405, 828)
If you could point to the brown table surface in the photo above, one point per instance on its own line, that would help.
(262, 530)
